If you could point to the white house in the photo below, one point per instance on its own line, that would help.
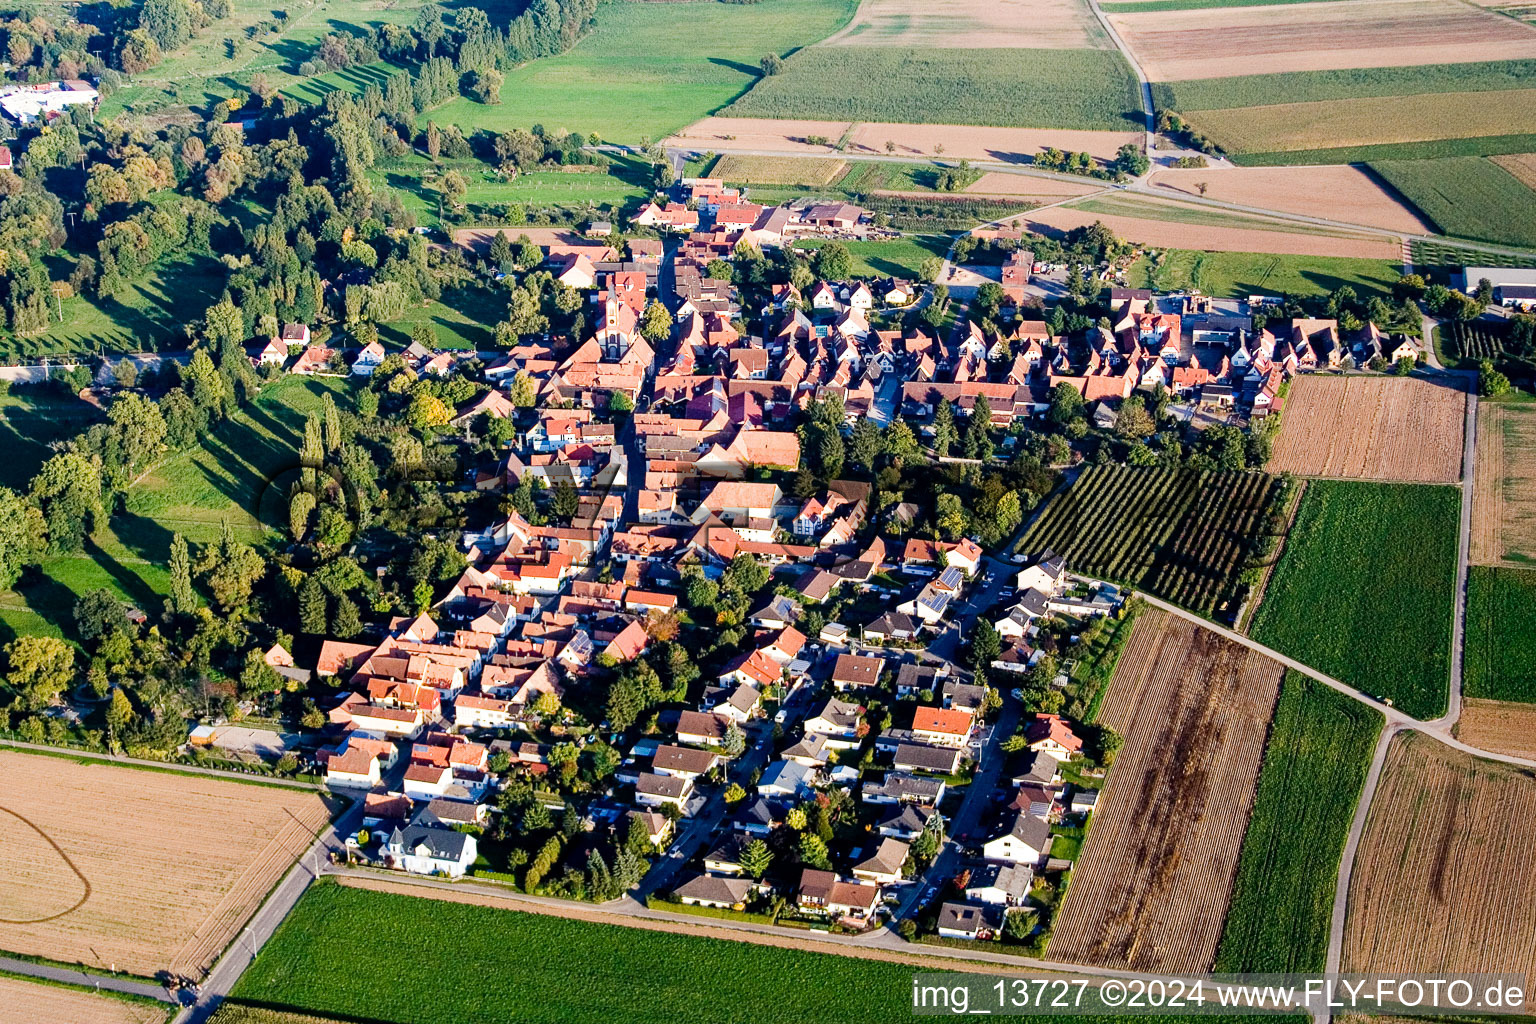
(368, 359)
(1006, 884)
(425, 781)
(353, 768)
(1045, 574)
(837, 722)
(475, 712)
(788, 780)
(424, 848)
(654, 790)
(1023, 842)
(884, 865)
(715, 891)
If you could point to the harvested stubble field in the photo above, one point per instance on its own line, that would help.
(1341, 193)
(28, 1002)
(1343, 83)
(1504, 491)
(1504, 727)
(1150, 890)
(162, 868)
(1026, 24)
(1163, 224)
(1237, 41)
(1372, 428)
(960, 141)
(807, 171)
(1521, 165)
(1002, 183)
(1445, 877)
(1184, 534)
(1367, 121)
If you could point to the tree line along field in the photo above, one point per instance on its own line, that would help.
(1091, 89)
(1373, 427)
(1500, 660)
(649, 69)
(1319, 749)
(32, 1002)
(140, 871)
(1183, 534)
(1364, 589)
(1467, 197)
(1149, 892)
(316, 964)
(1445, 875)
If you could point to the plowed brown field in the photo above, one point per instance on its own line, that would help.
(1445, 877)
(136, 870)
(1225, 42)
(1151, 888)
(1521, 165)
(27, 1002)
(1372, 428)
(1505, 727)
(1504, 490)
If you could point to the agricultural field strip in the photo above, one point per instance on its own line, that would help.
(1151, 887)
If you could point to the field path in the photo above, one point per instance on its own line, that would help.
(1147, 106)
(69, 976)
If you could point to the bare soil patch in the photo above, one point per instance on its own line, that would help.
(1372, 428)
(1231, 41)
(1341, 193)
(727, 134)
(175, 864)
(1521, 165)
(1211, 237)
(1445, 877)
(1505, 727)
(27, 1002)
(868, 138)
(1151, 889)
(970, 24)
(1001, 183)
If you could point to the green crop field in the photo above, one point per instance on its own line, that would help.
(1183, 534)
(189, 492)
(1320, 745)
(1305, 86)
(1436, 149)
(502, 970)
(1240, 274)
(1468, 197)
(1501, 634)
(649, 69)
(146, 315)
(1027, 88)
(896, 257)
(1365, 587)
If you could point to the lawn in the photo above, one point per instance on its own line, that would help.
(627, 180)
(1470, 197)
(1320, 745)
(1365, 587)
(32, 418)
(463, 318)
(1305, 86)
(1501, 634)
(148, 314)
(191, 493)
(486, 965)
(649, 69)
(1240, 274)
(896, 257)
(1025, 88)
